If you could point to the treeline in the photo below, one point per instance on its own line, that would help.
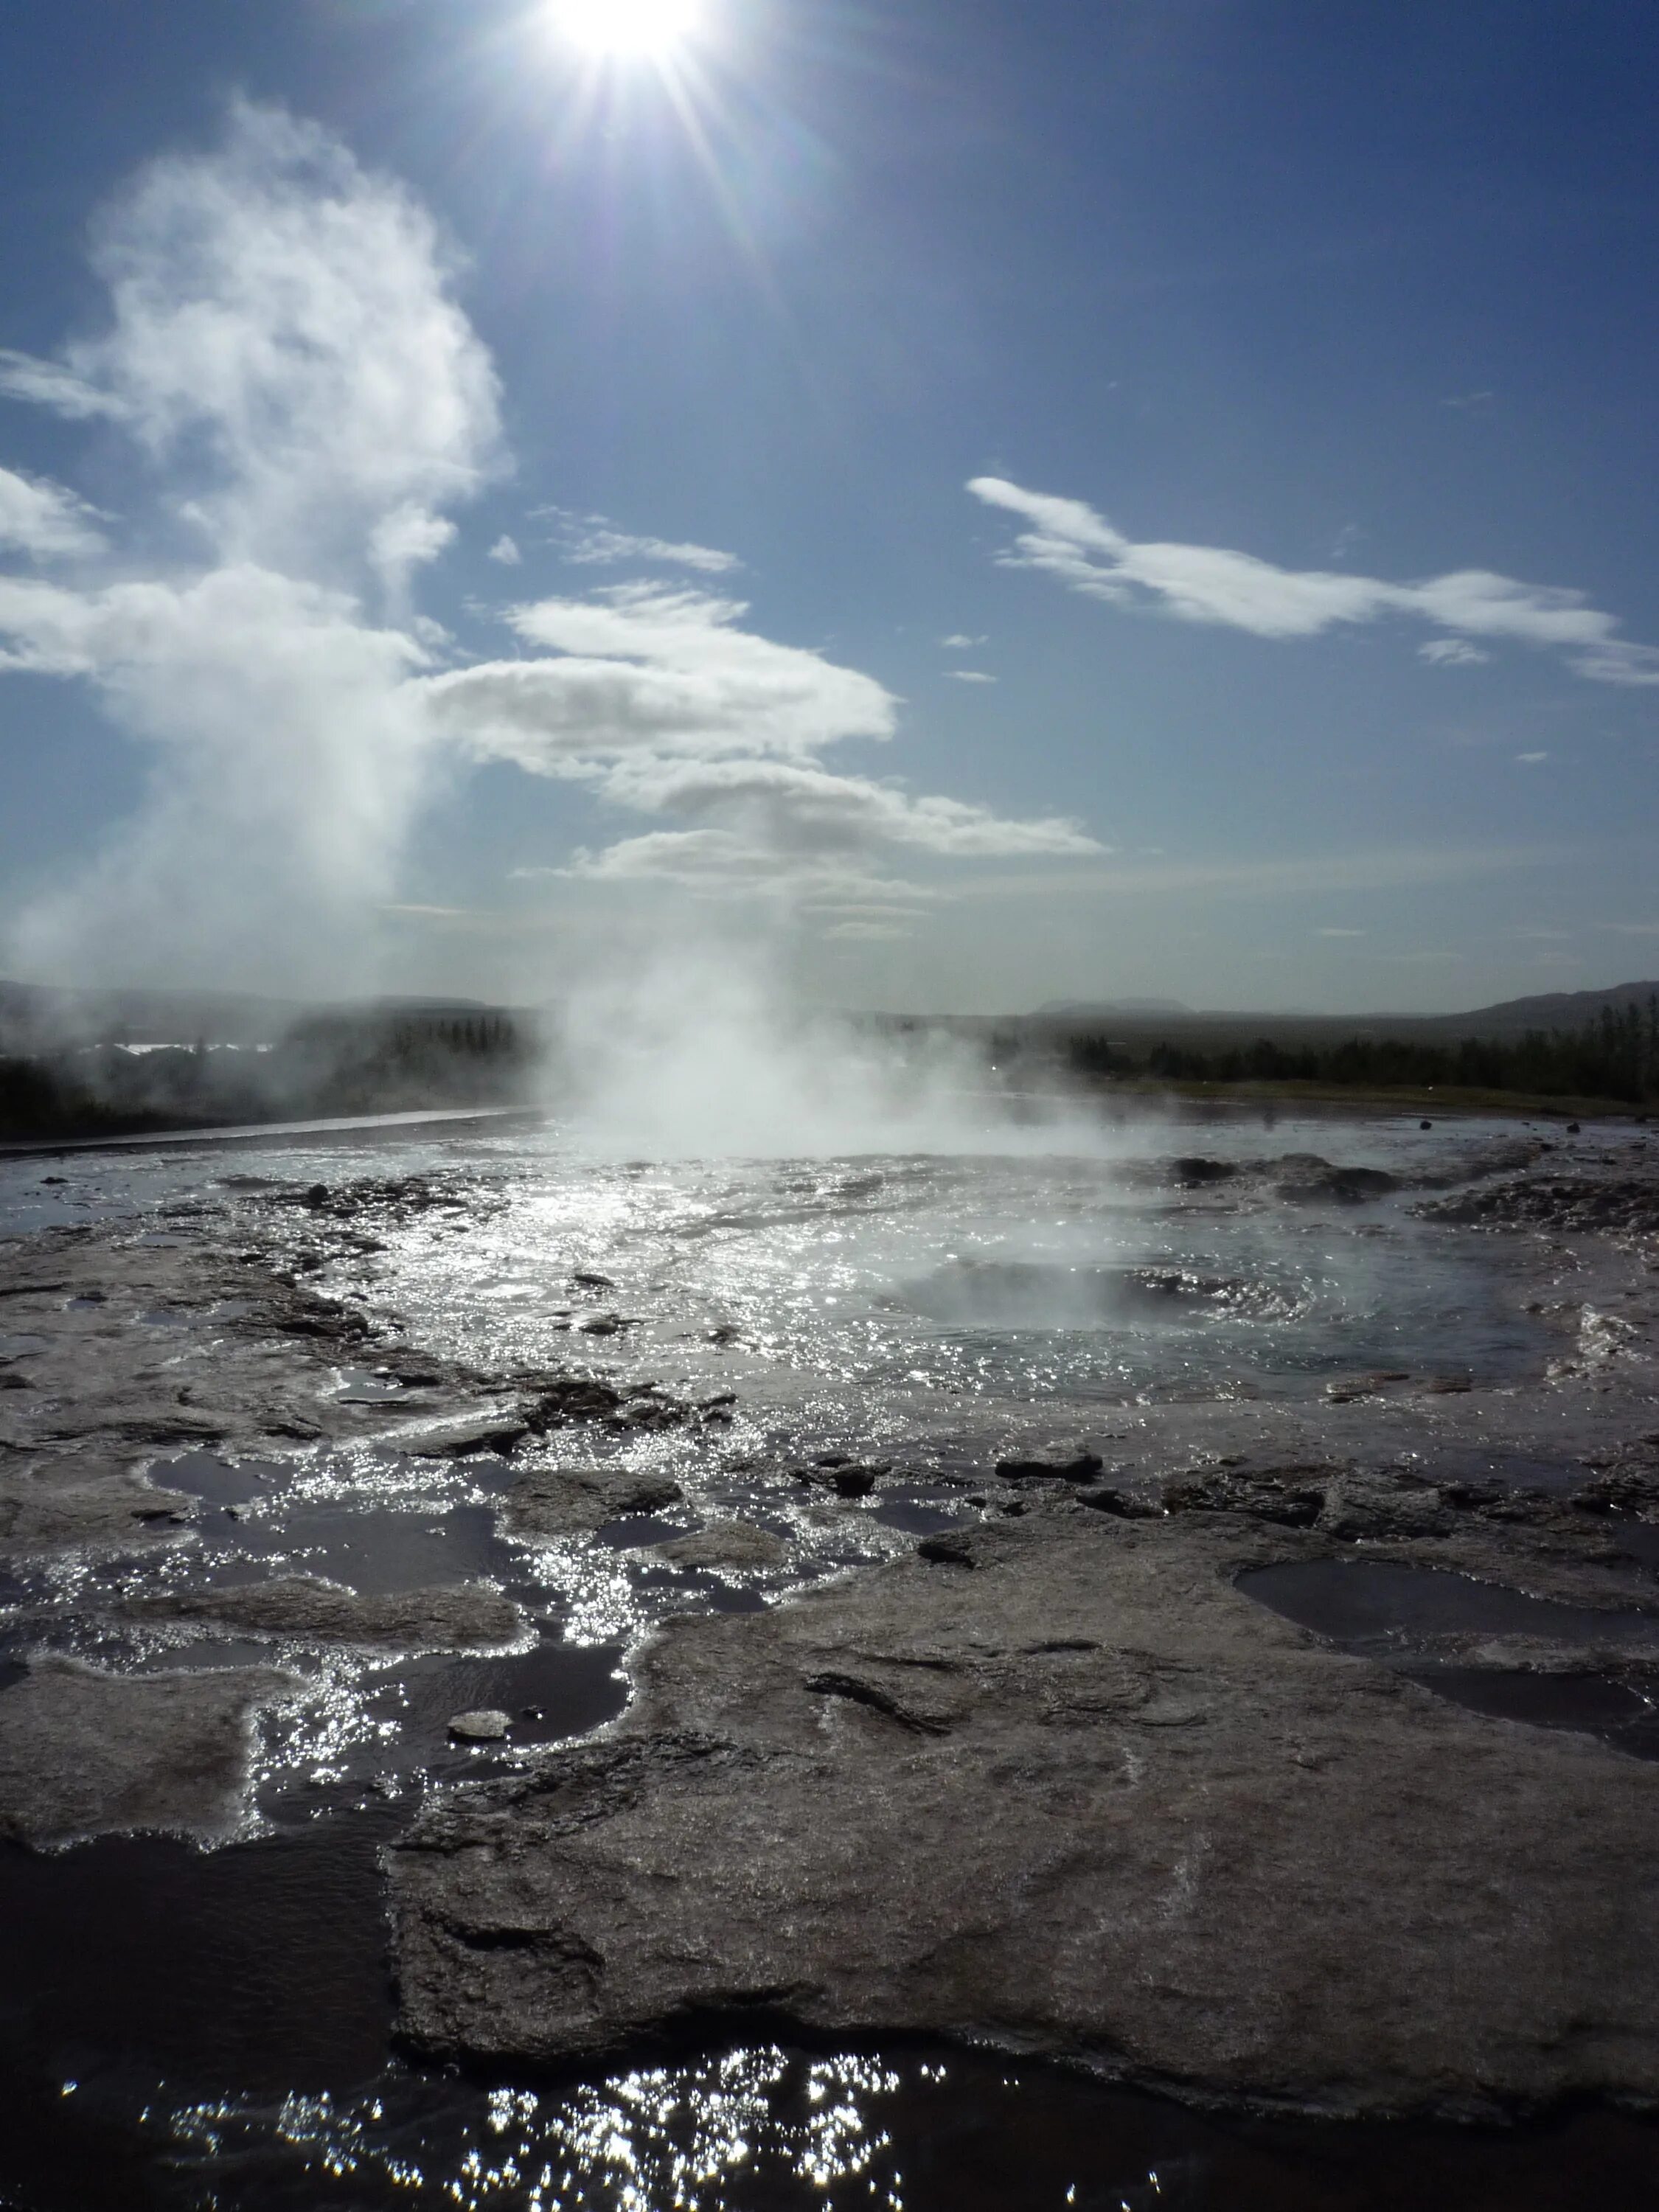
(1616, 1056)
(325, 1066)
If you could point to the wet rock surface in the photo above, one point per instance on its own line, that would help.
(86, 1753)
(51, 1501)
(738, 1543)
(561, 1501)
(463, 1616)
(1088, 1799)
(1624, 1203)
(1062, 1780)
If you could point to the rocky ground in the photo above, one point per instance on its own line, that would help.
(1119, 1769)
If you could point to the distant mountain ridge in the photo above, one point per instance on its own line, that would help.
(1551, 1010)
(1557, 1010)
(1090, 1009)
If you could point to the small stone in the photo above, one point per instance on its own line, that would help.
(856, 1479)
(487, 1725)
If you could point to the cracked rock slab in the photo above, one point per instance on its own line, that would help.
(84, 1753)
(1088, 1800)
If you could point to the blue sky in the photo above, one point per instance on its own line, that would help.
(1257, 396)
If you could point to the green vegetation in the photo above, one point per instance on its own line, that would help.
(1615, 1057)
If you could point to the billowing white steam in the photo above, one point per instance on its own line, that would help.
(283, 351)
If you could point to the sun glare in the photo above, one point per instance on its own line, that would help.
(643, 29)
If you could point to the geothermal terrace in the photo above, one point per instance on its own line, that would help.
(938, 1678)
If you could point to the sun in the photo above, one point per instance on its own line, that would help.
(646, 30)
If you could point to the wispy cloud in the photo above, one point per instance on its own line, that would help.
(1452, 653)
(506, 550)
(1386, 868)
(969, 676)
(1340, 932)
(1068, 540)
(594, 541)
(44, 521)
(959, 643)
(1532, 759)
(54, 385)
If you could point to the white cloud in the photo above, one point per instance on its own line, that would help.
(1340, 932)
(52, 384)
(719, 862)
(1531, 759)
(506, 550)
(959, 642)
(970, 675)
(788, 806)
(655, 670)
(43, 520)
(1069, 541)
(868, 933)
(592, 541)
(664, 706)
(1451, 652)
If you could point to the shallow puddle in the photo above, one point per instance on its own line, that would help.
(218, 1481)
(1369, 1605)
(380, 1551)
(1593, 1704)
(555, 1691)
(1380, 1610)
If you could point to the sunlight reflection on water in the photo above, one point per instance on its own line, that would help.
(645, 2140)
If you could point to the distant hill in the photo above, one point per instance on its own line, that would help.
(1143, 1020)
(1089, 1010)
(1551, 1010)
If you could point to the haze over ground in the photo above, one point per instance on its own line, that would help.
(993, 505)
